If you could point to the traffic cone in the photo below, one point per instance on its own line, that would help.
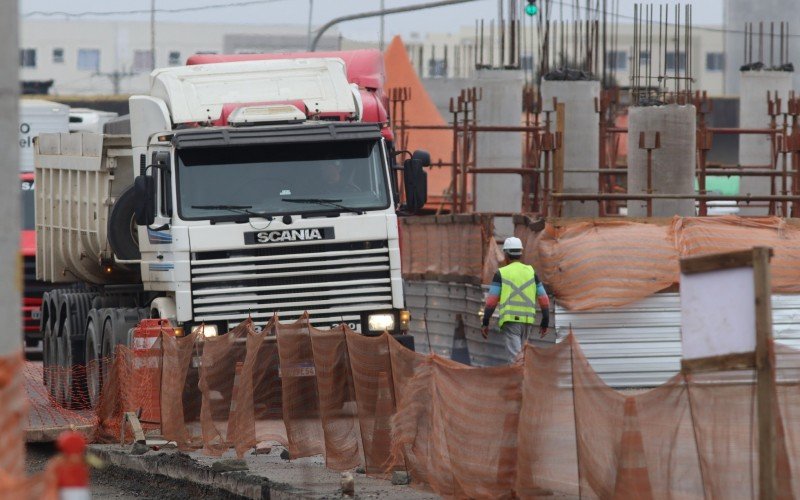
(72, 471)
(460, 351)
(632, 478)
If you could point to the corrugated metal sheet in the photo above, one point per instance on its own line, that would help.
(639, 345)
(441, 303)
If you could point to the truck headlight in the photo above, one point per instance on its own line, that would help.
(383, 322)
(206, 330)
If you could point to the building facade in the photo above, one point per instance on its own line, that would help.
(114, 57)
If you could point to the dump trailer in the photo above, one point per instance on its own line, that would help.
(245, 189)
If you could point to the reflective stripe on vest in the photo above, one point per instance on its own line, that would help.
(517, 294)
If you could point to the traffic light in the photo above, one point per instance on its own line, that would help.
(531, 9)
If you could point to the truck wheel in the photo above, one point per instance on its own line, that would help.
(94, 358)
(122, 233)
(72, 349)
(47, 354)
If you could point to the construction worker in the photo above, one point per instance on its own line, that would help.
(516, 289)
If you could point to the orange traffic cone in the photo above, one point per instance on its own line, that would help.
(632, 478)
(72, 471)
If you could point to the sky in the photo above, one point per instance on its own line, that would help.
(443, 19)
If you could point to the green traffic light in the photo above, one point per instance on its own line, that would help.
(531, 9)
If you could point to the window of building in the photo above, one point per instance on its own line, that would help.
(174, 58)
(89, 59)
(27, 58)
(142, 60)
(715, 61)
(671, 62)
(644, 57)
(58, 55)
(437, 68)
(616, 59)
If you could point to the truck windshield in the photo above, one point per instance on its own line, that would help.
(28, 222)
(282, 179)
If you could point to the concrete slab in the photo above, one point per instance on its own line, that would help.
(268, 476)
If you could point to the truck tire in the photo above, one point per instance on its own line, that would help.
(72, 349)
(122, 234)
(93, 356)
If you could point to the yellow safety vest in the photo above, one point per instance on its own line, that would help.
(517, 294)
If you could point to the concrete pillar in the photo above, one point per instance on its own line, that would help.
(10, 278)
(501, 105)
(580, 141)
(673, 164)
(735, 14)
(753, 113)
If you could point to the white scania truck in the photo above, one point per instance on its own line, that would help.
(237, 189)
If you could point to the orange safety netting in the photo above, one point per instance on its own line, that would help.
(604, 263)
(445, 247)
(553, 427)
(371, 368)
(700, 235)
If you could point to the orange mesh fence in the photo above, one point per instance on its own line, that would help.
(299, 385)
(451, 247)
(787, 363)
(371, 366)
(576, 436)
(604, 263)
(220, 379)
(258, 417)
(337, 399)
(699, 235)
(547, 458)
(545, 426)
(181, 398)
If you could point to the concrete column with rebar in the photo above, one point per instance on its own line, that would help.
(672, 165)
(581, 139)
(501, 105)
(757, 150)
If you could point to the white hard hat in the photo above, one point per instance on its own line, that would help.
(512, 246)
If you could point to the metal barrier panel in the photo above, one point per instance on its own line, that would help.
(639, 345)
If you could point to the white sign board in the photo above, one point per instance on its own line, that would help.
(718, 313)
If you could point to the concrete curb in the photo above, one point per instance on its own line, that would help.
(180, 466)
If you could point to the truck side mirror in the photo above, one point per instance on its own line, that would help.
(144, 187)
(415, 180)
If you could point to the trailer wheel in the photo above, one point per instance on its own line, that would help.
(94, 358)
(122, 233)
(47, 355)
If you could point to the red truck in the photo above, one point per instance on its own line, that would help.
(32, 294)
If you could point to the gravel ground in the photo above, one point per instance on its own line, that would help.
(113, 482)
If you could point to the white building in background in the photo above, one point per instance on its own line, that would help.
(453, 55)
(107, 57)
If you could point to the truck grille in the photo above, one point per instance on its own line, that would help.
(333, 282)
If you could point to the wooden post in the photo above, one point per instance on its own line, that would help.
(558, 164)
(765, 375)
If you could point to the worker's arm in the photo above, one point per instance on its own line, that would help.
(544, 306)
(491, 303)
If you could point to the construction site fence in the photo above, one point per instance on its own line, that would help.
(544, 425)
(594, 263)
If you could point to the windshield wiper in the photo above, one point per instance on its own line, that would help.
(325, 202)
(241, 209)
